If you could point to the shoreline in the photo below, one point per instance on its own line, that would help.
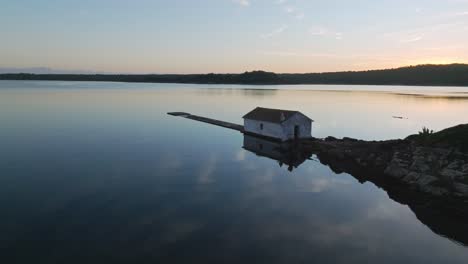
(438, 170)
(276, 85)
(246, 84)
(444, 214)
(421, 75)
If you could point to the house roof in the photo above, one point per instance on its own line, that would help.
(271, 115)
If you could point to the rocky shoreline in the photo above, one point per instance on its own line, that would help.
(430, 177)
(439, 171)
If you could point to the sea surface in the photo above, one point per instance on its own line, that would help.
(97, 172)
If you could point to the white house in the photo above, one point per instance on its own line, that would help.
(278, 124)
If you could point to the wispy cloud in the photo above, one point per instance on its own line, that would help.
(325, 32)
(289, 9)
(410, 39)
(408, 36)
(334, 56)
(338, 35)
(299, 54)
(275, 32)
(242, 2)
(458, 14)
(318, 31)
(455, 14)
(451, 15)
(294, 11)
(206, 173)
(425, 32)
(299, 15)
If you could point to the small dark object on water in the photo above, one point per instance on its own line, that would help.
(399, 117)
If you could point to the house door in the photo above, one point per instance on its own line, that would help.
(296, 132)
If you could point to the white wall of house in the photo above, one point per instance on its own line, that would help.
(269, 129)
(304, 123)
(283, 131)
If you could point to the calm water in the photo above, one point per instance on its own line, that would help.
(95, 172)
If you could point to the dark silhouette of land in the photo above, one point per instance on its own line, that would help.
(445, 215)
(429, 75)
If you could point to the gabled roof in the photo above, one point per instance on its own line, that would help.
(271, 115)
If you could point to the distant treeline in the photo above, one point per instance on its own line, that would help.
(444, 75)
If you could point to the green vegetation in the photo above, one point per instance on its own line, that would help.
(254, 77)
(442, 75)
(423, 136)
(452, 74)
(425, 132)
(456, 137)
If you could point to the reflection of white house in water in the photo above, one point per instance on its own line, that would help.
(284, 153)
(278, 124)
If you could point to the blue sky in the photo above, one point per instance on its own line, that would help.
(182, 36)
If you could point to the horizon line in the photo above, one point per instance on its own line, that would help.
(52, 71)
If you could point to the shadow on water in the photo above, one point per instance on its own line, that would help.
(266, 92)
(452, 96)
(444, 217)
(285, 153)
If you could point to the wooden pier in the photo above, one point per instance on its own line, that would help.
(215, 122)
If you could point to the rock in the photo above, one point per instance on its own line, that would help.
(461, 189)
(426, 180)
(396, 171)
(465, 167)
(434, 170)
(452, 174)
(453, 165)
(411, 177)
(420, 164)
(433, 190)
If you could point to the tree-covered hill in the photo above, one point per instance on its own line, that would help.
(443, 75)
(452, 74)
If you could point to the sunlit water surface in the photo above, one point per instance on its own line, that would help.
(95, 172)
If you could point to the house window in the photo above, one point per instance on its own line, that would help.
(261, 126)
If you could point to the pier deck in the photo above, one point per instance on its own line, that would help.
(220, 123)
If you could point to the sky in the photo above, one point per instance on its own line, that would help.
(231, 36)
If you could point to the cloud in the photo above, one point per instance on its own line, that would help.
(452, 15)
(242, 2)
(240, 155)
(318, 31)
(294, 12)
(280, 2)
(275, 32)
(300, 15)
(206, 173)
(325, 32)
(300, 54)
(290, 9)
(426, 32)
(458, 14)
(410, 39)
(338, 35)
